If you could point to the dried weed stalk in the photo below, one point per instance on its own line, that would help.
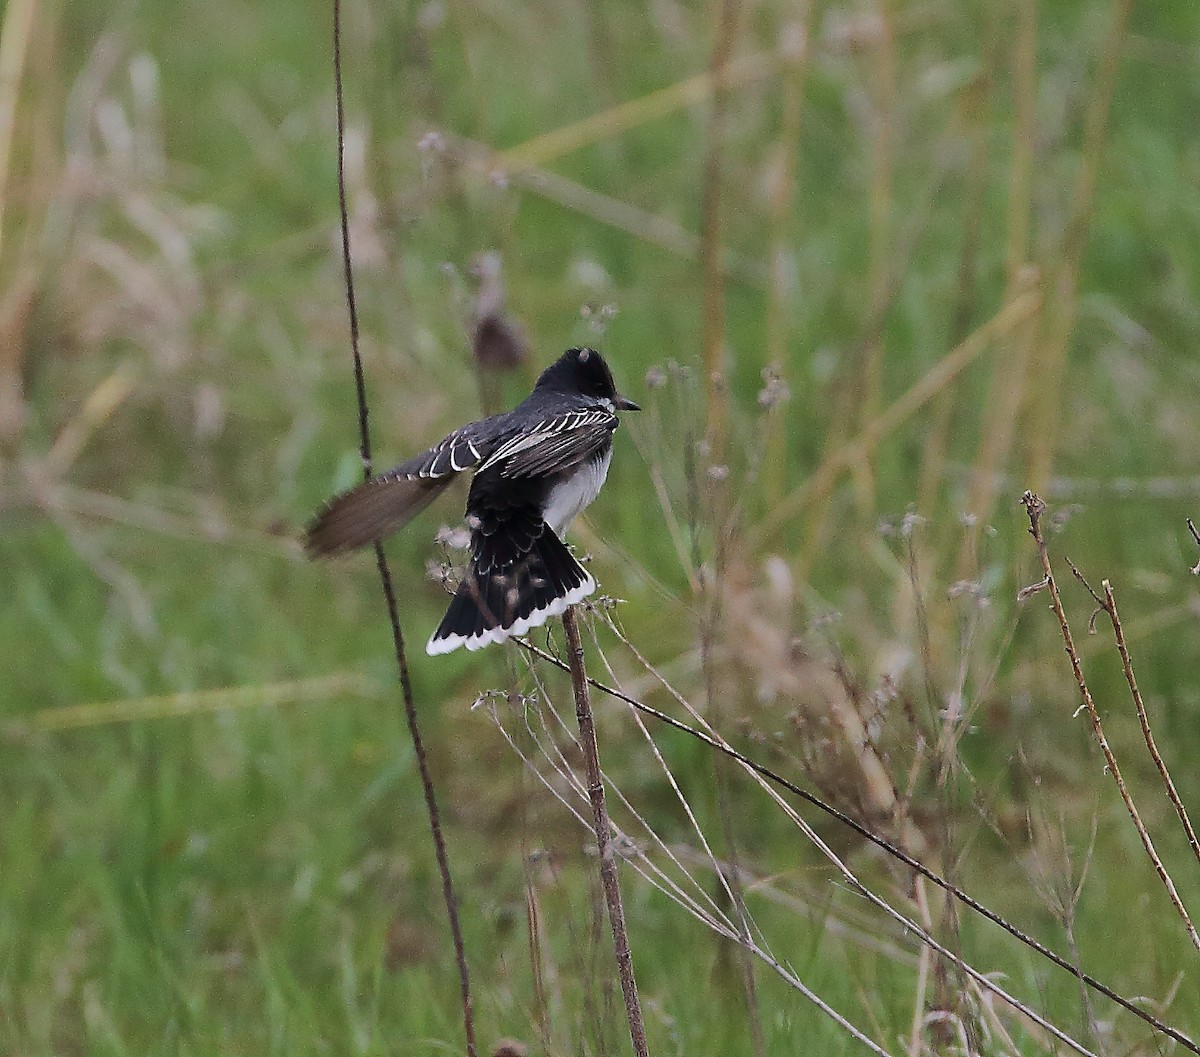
(385, 576)
(764, 774)
(603, 830)
(1036, 508)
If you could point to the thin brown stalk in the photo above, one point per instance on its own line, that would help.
(777, 780)
(603, 829)
(385, 575)
(795, 51)
(1020, 169)
(14, 47)
(933, 462)
(1006, 390)
(1036, 508)
(879, 203)
(1048, 413)
(1110, 607)
(712, 340)
(1011, 366)
(916, 1037)
(712, 264)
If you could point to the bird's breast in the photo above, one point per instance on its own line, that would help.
(572, 493)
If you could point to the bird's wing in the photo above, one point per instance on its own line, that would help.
(387, 503)
(464, 449)
(553, 445)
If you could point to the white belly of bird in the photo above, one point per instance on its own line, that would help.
(572, 494)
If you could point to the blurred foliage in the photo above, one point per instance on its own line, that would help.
(259, 880)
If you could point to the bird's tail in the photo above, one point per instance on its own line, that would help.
(498, 600)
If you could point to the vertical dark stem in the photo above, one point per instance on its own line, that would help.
(385, 576)
(604, 844)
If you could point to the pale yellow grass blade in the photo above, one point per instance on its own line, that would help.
(624, 116)
(197, 702)
(941, 374)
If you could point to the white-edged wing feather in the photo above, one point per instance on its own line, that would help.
(554, 445)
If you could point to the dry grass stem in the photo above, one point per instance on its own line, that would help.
(1061, 323)
(1002, 408)
(783, 190)
(619, 119)
(97, 409)
(1110, 607)
(714, 742)
(449, 898)
(767, 781)
(880, 204)
(484, 163)
(712, 264)
(708, 914)
(1036, 508)
(976, 107)
(199, 702)
(15, 33)
(821, 481)
(603, 829)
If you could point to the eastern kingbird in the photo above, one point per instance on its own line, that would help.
(536, 467)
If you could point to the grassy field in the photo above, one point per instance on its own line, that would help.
(939, 253)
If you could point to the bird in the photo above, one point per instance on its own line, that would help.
(535, 469)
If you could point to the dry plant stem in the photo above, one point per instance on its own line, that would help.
(199, 702)
(721, 764)
(713, 270)
(1035, 507)
(1020, 170)
(14, 46)
(1011, 364)
(603, 829)
(385, 576)
(881, 904)
(916, 1035)
(1053, 353)
(619, 119)
(481, 161)
(883, 161)
(884, 845)
(1110, 607)
(782, 236)
(1006, 390)
(642, 864)
(712, 264)
(820, 483)
(976, 104)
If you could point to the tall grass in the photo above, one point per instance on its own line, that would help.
(963, 241)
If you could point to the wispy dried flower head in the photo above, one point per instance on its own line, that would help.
(454, 537)
(775, 390)
(432, 142)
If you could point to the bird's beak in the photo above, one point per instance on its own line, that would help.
(623, 403)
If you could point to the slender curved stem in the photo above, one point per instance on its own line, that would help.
(603, 828)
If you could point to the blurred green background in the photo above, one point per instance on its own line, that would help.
(939, 253)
